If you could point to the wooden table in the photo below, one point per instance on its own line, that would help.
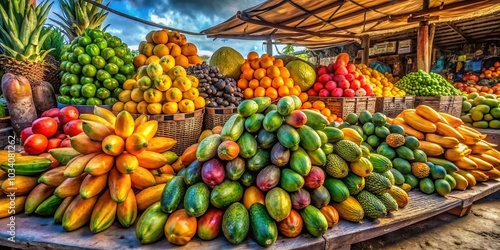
(40, 233)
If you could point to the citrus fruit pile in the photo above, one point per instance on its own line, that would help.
(167, 46)
(266, 76)
(160, 88)
(93, 68)
(383, 85)
(320, 106)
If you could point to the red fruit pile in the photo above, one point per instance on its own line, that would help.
(340, 79)
(51, 130)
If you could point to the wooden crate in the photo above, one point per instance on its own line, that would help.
(447, 104)
(392, 106)
(4, 136)
(342, 106)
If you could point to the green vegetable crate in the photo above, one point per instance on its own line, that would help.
(342, 106)
(446, 104)
(392, 106)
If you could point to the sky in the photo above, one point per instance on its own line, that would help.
(189, 15)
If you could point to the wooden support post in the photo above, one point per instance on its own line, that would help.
(432, 30)
(269, 47)
(423, 46)
(365, 42)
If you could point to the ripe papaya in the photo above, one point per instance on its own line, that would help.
(103, 214)
(150, 226)
(76, 166)
(40, 193)
(95, 118)
(161, 144)
(93, 185)
(84, 145)
(58, 215)
(6, 206)
(105, 113)
(126, 163)
(141, 178)
(148, 129)
(20, 184)
(149, 195)
(119, 185)
(127, 210)
(78, 213)
(53, 177)
(70, 186)
(125, 125)
(136, 143)
(95, 131)
(151, 160)
(100, 164)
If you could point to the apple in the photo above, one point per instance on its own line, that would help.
(312, 92)
(324, 78)
(338, 64)
(322, 70)
(338, 78)
(361, 79)
(348, 92)
(25, 133)
(338, 92)
(355, 84)
(324, 93)
(360, 92)
(53, 112)
(341, 71)
(350, 77)
(344, 84)
(330, 85)
(351, 68)
(369, 89)
(318, 86)
(167, 62)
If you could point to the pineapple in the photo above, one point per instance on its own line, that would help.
(56, 40)
(79, 15)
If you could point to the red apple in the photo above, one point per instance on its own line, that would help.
(65, 143)
(369, 89)
(348, 92)
(324, 78)
(25, 133)
(318, 86)
(355, 84)
(338, 64)
(341, 71)
(360, 92)
(53, 112)
(338, 92)
(344, 84)
(321, 70)
(351, 68)
(312, 92)
(324, 93)
(350, 77)
(73, 128)
(330, 85)
(338, 78)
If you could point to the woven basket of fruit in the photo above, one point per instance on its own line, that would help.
(342, 106)
(185, 128)
(33, 71)
(217, 116)
(392, 106)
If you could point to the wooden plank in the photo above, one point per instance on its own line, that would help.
(421, 207)
(481, 190)
(422, 46)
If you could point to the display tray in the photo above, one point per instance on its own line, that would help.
(40, 233)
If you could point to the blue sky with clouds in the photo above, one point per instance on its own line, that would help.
(190, 15)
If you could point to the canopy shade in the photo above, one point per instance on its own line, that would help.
(315, 23)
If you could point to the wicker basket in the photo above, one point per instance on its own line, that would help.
(217, 116)
(447, 104)
(184, 128)
(392, 106)
(342, 106)
(34, 72)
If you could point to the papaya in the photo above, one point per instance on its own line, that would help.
(136, 143)
(300, 162)
(141, 178)
(226, 193)
(309, 139)
(126, 212)
(76, 166)
(272, 121)
(253, 123)
(235, 223)
(209, 224)
(172, 194)
(84, 145)
(315, 222)
(151, 160)
(98, 119)
(95, 131)
(63, 155)
(100, 164)
(103, 214)
(233, 128)
(285, 105)
(119, 185)
(124, 125)
(150, 226)
(288, 136)
(6, 207)
(38, 195)
(58, 215)
(26, 165)
(248, 108)
(263, 226)
(248, 145)
(315, 120)
(196, 199)
(290, 180)
(126, 163)
(92, 185)
(278, 204)
(53, 177)
(148, 196)
(20, 184)
(70, 186)
(207, 148)
(148, 129)
(78, 213)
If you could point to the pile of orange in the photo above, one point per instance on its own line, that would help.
(266, 76)
(493, 71)
(166, 46)
(321, 107)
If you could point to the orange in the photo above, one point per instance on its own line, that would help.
(330, 119)
(289, 82)
(170, 108)
(273, 71)
(189, 49)
(248, 74)
(195, 59)
(260, 92)
(283, 91)
(191, 94)
(297, 87)
(252, 55)
(319, 105)
(326, 112)
(284, 72)
(186, 106)
(152, 59)
(278, 82)
(253, 84)
(160, 37)
(294, 91)
(278, 63)
(154, 108)
(161, 50)
(266, 62)
(497, 64)
(248, 93)
(255, 63)
(265, 82)
(149, 36)
(140, 60)
(272, 58)
(306, 105)
(182, 60)
(259, 73)
(243, 83)
(303, 97)
(199, 102)
(175, 49)
(272, 93)
(245, 65)
(334, 116)
(264, 55)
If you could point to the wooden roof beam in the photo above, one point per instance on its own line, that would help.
(256, 37)
(458, 31)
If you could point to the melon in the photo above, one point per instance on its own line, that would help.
(302, 74)
(228, 60)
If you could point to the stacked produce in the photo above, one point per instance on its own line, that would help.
(340, 79)
(321, 107)
(271, 168)
(481, 111)
(217, 89)
(160, 88)
(164, 45)
(266, 76)
(93, 69)
(383, 84)
(492, 72)
(103, 172)
(455, 152)
(426, 84)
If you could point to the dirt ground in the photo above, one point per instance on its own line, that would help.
(479, 230)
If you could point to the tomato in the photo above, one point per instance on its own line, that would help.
(53, 143)
(66, 143)
(73, 128)
(46, 126)
(26, 133)
(68, 114)
(53, 112)
(54, 164)
(35, 144)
